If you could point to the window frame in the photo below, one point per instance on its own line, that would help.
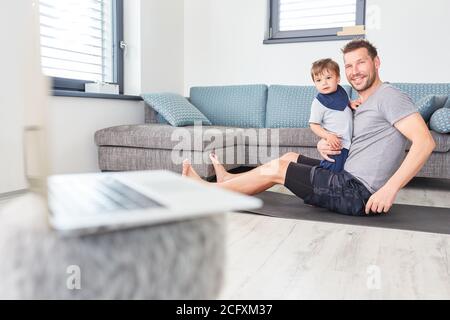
(324, 34)
(66, 84)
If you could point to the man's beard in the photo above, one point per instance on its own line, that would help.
(370, 81)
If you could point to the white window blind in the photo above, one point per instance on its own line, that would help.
(77, 39)
(316, 14)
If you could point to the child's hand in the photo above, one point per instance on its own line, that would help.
(334, 141)
(355, 104)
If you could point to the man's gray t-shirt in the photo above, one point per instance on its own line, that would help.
(378, 148)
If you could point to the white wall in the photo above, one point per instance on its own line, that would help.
(223, 43)
(73, 122)
(153, 62)
(19, 90)
(162, 45)
(154, 34)
(12, 104)
(132, 56)
(413, 39)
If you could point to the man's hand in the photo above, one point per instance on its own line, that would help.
(326, 150)
(382, 200)
(334, 141)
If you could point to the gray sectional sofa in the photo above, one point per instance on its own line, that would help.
(251, 124)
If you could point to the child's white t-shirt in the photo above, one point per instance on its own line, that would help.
(338, 122)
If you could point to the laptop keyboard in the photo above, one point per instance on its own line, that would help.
(97, 195)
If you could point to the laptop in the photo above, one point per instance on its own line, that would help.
(97, 202)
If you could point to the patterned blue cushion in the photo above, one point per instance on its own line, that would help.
(160, 119)
(447, 104)
(429, 104)
(417, 91)
(354, 95)
(440, 121)
(175, 109)
(348, 88)
(290, 106)
(237, 106)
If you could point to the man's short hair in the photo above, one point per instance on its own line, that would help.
(360, 43)
(319, 66)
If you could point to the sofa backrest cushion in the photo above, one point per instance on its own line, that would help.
(290, 106)
(237, 105)
(417, 91)
(428, 97)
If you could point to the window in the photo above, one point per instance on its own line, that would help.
(80, 42)
(315, 20)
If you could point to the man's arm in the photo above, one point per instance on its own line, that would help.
(326, 150)
(414, 128)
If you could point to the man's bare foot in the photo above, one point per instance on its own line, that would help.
(188, 171)
(221, 174)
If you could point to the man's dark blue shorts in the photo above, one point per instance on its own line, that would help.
(337, 191)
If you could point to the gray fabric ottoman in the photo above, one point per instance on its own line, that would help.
(182, 260)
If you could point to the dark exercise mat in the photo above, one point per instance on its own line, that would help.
(404, 217)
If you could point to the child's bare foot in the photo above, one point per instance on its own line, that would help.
(221, 174)
(188, 171)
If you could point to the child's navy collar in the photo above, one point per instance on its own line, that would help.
(337, 100)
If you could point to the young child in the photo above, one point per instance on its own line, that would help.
(331, 118)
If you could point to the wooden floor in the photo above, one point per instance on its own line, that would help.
(272, 258)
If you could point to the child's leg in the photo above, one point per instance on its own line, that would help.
(339, 161)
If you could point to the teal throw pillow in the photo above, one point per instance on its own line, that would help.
(440, 121)
(425, 107)
(429, 104)
(447, 104)
(175, 109)
(160, 119)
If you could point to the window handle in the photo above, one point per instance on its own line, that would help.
(124, 46)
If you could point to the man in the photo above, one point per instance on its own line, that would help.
(375, 169)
